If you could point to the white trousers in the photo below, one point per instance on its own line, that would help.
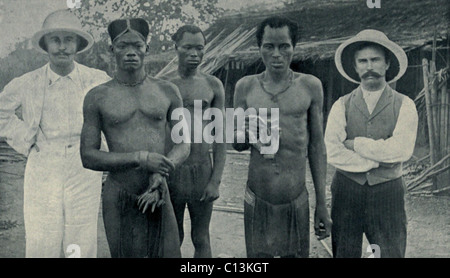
(61, 203)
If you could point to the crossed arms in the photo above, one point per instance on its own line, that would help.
(363, 154)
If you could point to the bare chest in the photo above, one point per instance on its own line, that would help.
(194, 92)
(293, 102)
(124, 105)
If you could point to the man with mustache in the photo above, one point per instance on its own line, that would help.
(369, 133)
(276, 208)
(195, 183)
(132, 110)
(61, 198)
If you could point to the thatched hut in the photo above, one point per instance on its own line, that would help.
(232, 50)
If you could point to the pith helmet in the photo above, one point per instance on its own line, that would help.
(345, 54)
(62, 20)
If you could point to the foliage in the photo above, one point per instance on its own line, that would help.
(164, 16)
(19, 62)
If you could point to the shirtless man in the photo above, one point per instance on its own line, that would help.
(196, 182)
(132, 111)
(276, 206)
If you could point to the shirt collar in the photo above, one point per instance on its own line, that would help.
(54, 77)
(377, 92)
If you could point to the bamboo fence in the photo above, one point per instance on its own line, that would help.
(437, 102)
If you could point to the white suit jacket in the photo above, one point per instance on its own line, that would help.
(27, 91)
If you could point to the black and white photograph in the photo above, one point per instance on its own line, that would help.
(224, 129)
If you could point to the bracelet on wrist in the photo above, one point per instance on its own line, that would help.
(143, 158)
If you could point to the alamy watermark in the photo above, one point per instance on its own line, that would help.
(375, 250)
(257, 128)
(74, 4)
(73, 251)
(373, 4)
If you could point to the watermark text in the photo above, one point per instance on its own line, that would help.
(373, 4)
(259, 127)
(73, 4)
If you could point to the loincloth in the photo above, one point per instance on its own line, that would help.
(189, 181)
(278, 230)
(131, 233)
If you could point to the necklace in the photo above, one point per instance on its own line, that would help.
(274, 96)
(130, 84)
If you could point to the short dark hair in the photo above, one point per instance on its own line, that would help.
(278, 22)
(363, 45)
(178, 36)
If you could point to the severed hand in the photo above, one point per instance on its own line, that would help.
(154, 196)
(156, 163)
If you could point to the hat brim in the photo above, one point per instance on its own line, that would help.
(344, 59)
(87, 41)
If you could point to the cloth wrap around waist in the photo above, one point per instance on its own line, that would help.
(278, 230)
(189, 180)
(131, 233)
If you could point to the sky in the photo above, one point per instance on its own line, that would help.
(20, 19)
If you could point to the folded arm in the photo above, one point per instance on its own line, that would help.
(400, 146)
(338, 154)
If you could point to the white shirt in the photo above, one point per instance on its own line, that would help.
(368, 153)
(28, 92)
(371, 98)
(62, 112)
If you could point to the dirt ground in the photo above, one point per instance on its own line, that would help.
(428, 218)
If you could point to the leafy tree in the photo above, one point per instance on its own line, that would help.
(18, 62)
(164, 16)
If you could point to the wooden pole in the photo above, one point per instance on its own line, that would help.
(447, 103)
(433, 50)
(444, 118)
(435, 100)
(434, 107)
(428, 109)
(229, 96)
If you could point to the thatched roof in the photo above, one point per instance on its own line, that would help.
(327, 23)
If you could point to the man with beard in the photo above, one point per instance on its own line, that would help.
(276, 209)
(196, 182)
(369, 133)
(132, 110)
(61, 198)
